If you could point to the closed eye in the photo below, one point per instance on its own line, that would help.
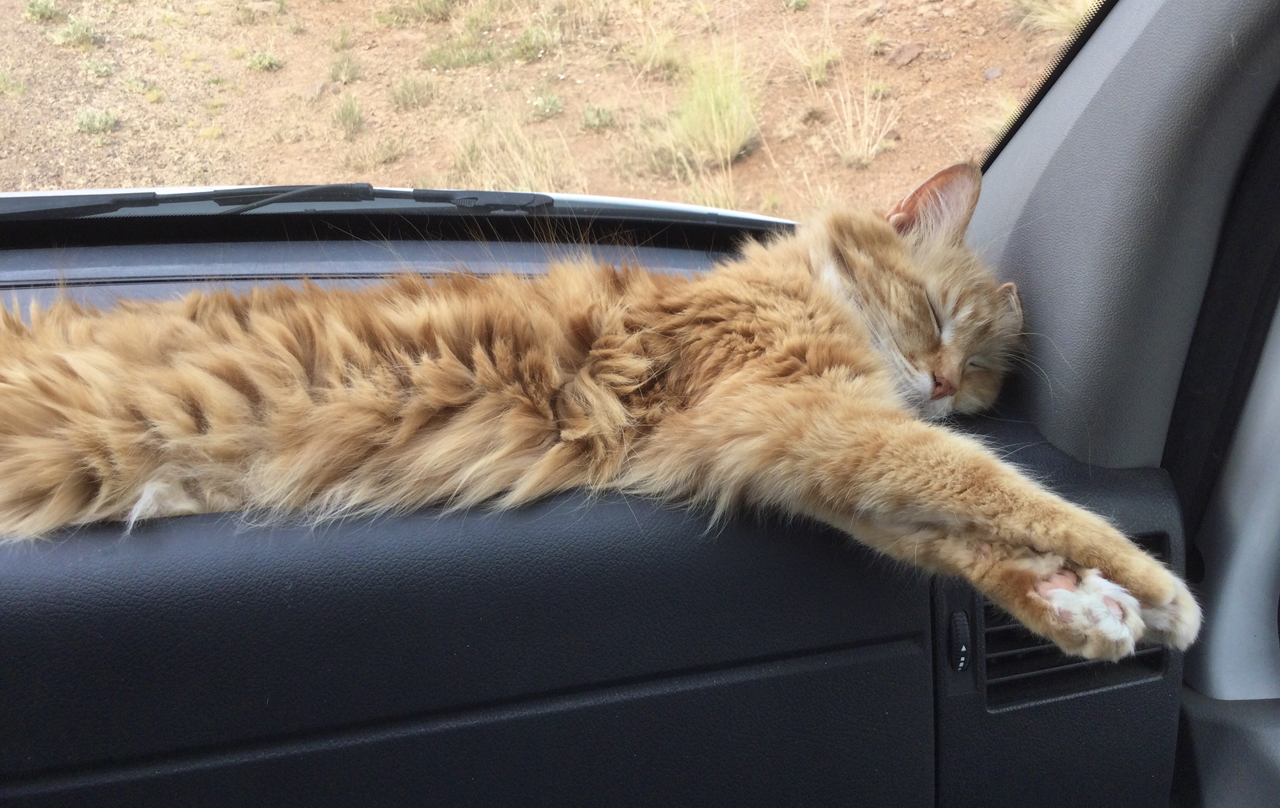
(937, 322)
(977, 362)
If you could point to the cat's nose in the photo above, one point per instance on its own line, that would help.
(942, 387)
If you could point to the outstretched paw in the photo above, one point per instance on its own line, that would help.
(1175, 623)
(1101, 619)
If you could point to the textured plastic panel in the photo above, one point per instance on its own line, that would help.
(1106, 207)
(804, 731)
(195, 633)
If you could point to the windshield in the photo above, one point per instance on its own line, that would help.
(772, 107)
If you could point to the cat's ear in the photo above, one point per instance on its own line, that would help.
(1009, 294)
(940, 209)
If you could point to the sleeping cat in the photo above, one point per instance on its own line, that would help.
(806, 376)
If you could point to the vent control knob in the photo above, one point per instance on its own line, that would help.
(961, 641)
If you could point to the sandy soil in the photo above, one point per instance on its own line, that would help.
(191, 111)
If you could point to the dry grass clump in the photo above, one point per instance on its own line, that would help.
(265, 62)
(712, 189)
(411, 93)
(1058, 17)
(715, 124)
(342, 41)
(467, 48)
(78, 33)
(344, 69)
(862, 122)
(535, 42)
(556, 24)
(43, 11)
(400, 16)
(95, 121)
(814, 63)
(248, 14)
(507, 158)
(454, 54)
(348, 117)
(656, 54)
(9, 85)
(378, 154)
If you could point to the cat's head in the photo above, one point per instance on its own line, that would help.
(948, 330)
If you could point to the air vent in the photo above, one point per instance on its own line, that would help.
(1020, 667)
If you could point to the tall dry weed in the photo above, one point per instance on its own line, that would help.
(507, 158)
(863, 118)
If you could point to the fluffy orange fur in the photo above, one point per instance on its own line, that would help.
(805, 376)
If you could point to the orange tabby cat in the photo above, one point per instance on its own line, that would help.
(803, 376)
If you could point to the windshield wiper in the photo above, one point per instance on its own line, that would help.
(242, 200)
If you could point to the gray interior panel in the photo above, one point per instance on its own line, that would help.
(1235, 746)
(1238, 656)
(1106, 210)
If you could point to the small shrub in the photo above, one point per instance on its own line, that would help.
(411, 93)
(77, 34)
(43, 11)
(210, 133)
(546, 106)
(877, 43)
(344, 69)
(348, 116)
(795, 5)
(595, 118)
(98, 69)
(879, 90)
(265, 61)
(95, 121)
(155, 95)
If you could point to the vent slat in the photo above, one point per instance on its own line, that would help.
(1047, 646)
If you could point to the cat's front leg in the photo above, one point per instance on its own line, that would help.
(1064, 572)
(924, 494)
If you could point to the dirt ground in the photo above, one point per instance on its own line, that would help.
(190, 109)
